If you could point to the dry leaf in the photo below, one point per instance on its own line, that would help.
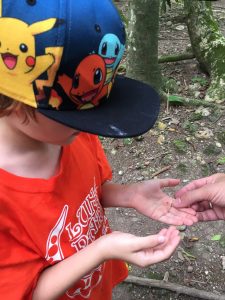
(162, 126)
(161, 139)
(206, 133)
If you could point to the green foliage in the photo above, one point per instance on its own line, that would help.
(182, 168)
(175, 100)
(219, 238)
(170, 85)
(207, 169)
(221, 137)
(216, 237)
(155, 275)
(200, 80)
(222, 241)
(180, 146)
(195, 117)
(190, 127)
(215, 115)
(221, 161)
(211, 149)
(127, 141)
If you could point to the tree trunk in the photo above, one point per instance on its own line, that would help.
(208, 45)
(143, 30)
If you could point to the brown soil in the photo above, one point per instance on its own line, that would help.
(176, 144)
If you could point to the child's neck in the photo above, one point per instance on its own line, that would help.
(26, 157)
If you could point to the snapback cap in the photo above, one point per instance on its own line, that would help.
(62, 56)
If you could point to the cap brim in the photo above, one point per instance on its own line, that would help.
(131, 110)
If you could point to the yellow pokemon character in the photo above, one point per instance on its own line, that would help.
(19, 65)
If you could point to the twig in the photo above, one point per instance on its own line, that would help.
(167, 103)
(180, 289)
(202, 282)
(192, 145)
(161, 171)
(159, 155)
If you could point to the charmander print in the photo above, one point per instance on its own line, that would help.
(86, 87)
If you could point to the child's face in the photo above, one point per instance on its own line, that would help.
(43, 129)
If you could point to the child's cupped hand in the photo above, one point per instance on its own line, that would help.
(149, 199)
(141, 251)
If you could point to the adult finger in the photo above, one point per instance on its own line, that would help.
(192, 197)
(196, 184)
(207, 215)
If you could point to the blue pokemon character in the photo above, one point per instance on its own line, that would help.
(111, 50)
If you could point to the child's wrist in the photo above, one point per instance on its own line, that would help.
(104, 248)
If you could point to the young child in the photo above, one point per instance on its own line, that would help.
(57, 67)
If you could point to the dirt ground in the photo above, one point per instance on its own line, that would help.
(190, 142)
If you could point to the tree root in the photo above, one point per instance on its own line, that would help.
(196, 102)
(176, 57)
(180, 289)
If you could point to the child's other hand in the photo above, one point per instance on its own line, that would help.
(149, 199)
(141, 251)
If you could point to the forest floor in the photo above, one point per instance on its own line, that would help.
(189, 142)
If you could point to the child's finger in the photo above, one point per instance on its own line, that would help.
(168, 182)
(189, 211)
(163, 253)
(150, 241)
(163, 231)
(171, 231)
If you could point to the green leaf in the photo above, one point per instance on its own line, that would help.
(200, 80)
(188, 254)
(216, 237)
(175, 100)
(127, 141)
(221, 161)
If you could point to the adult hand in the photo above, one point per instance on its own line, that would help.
(206, 196)
(149, 199)
(141, 251)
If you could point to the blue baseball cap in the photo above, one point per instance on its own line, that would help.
(62, 56)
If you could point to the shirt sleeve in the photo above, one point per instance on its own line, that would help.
(20, 266)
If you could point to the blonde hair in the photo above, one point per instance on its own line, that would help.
(8, 105)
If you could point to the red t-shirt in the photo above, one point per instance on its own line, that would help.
(44, 221)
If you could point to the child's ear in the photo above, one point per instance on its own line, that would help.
(42, 26)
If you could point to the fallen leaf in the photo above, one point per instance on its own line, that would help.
(161, 139)
(216, 237)
(162, 126)
(204, 134)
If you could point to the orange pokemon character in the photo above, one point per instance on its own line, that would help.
(86, 87)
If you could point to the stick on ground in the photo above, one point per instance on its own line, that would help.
(180, 289)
